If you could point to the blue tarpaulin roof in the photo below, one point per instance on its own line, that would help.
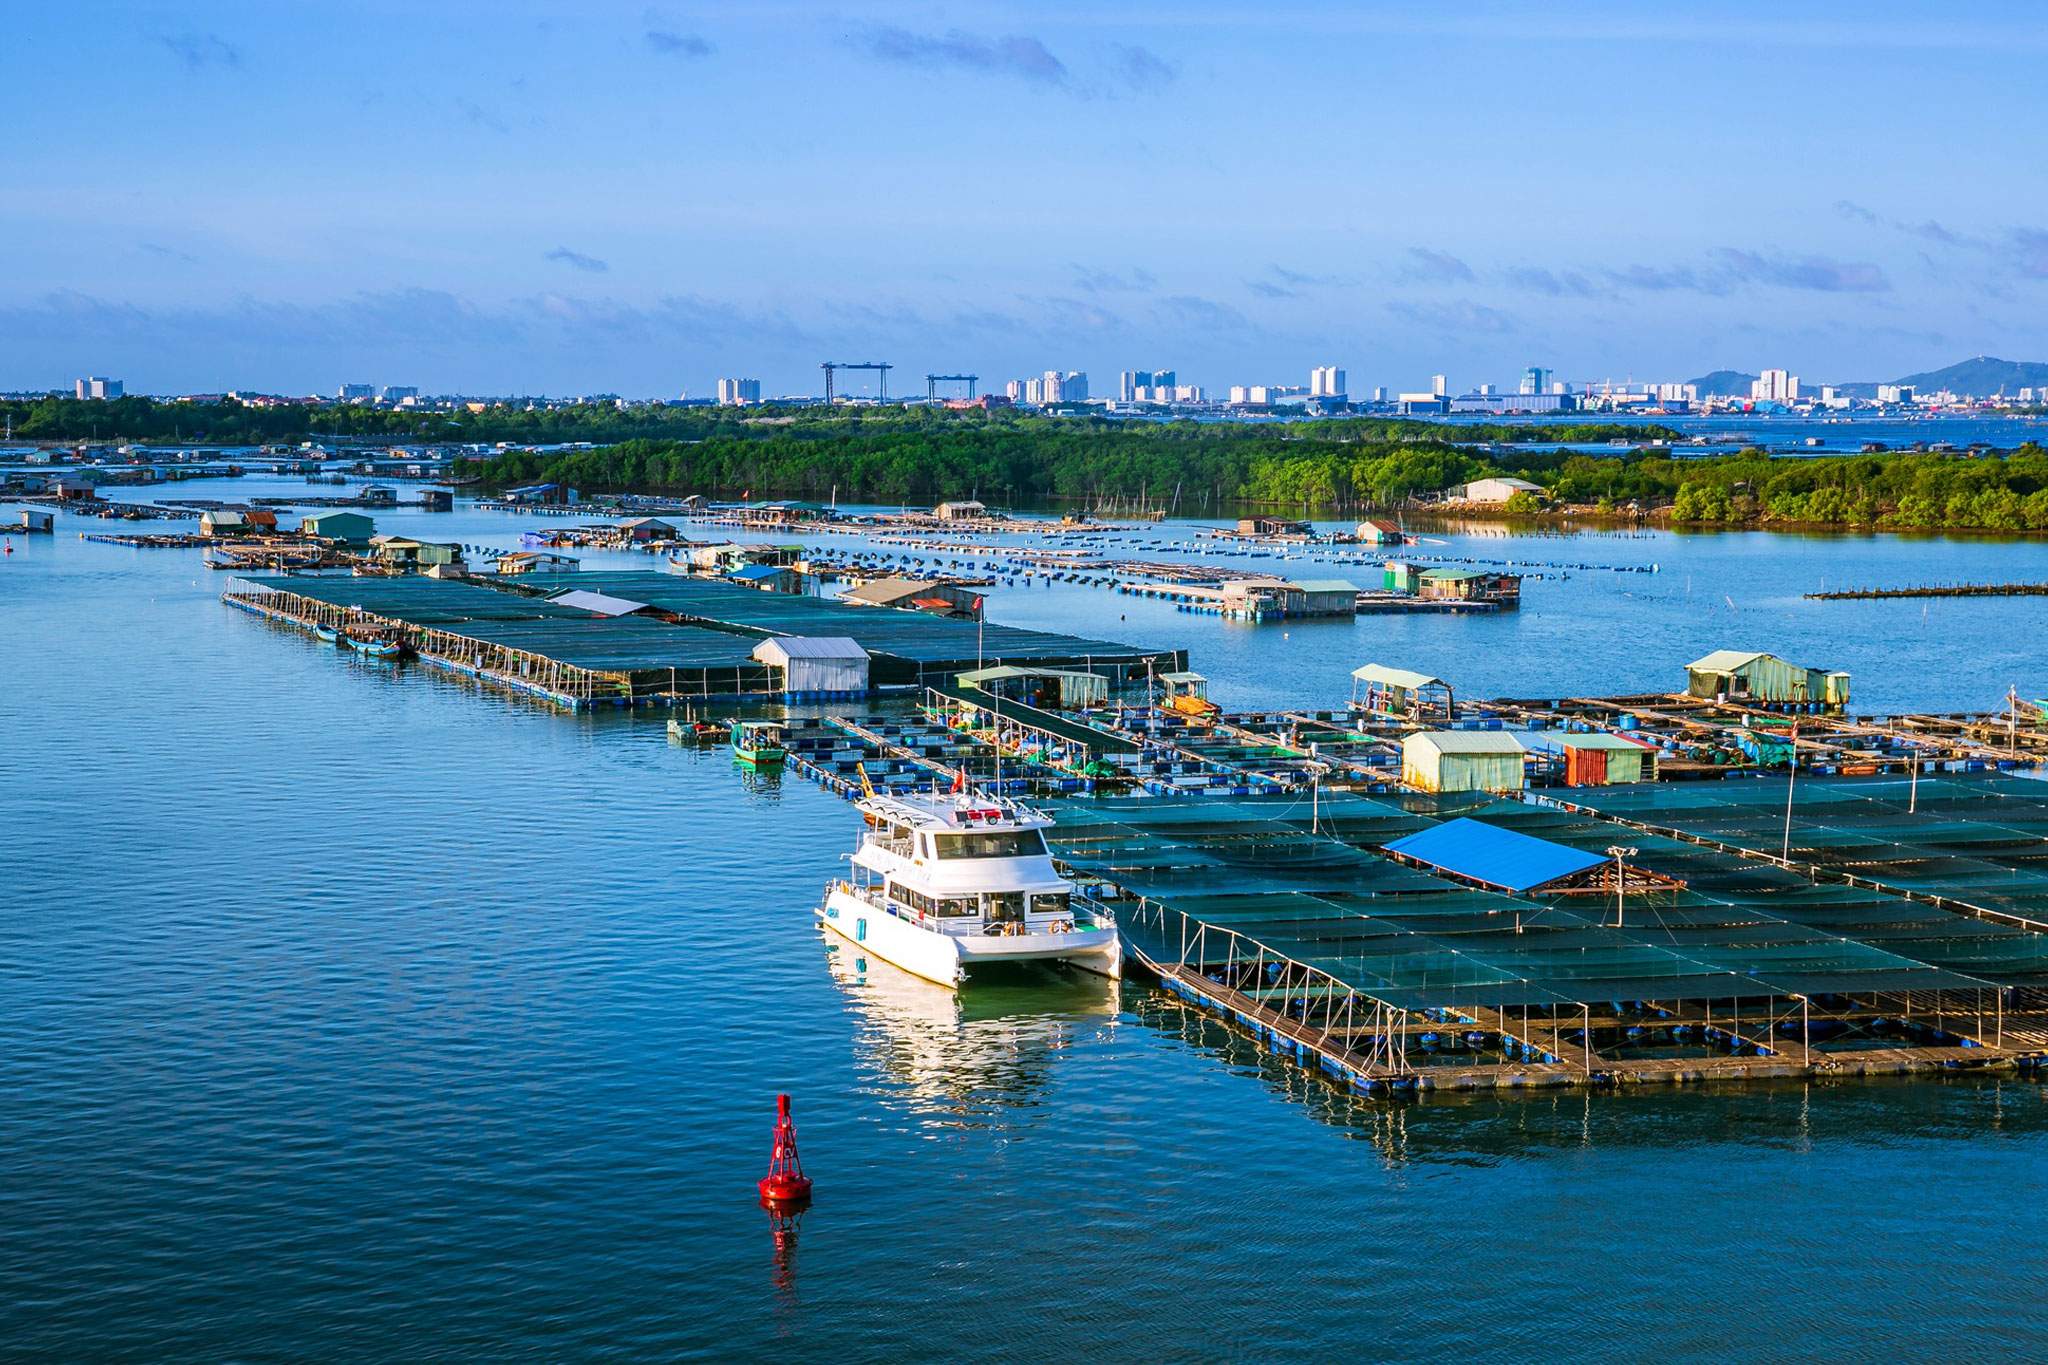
(1480, 852)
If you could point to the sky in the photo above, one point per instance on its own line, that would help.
(531, 197)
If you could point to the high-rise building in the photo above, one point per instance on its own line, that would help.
(1379, 393)
(1131, 381)
(1326, 381)
(1894, 393)
(398, 393)
(99, 388)
(1015, 390)
(1775, 386)
(357, 393)
(1073, 385)
(733, 393)
(1536, 379)
(1438, 385)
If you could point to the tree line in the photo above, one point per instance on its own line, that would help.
(925, 455)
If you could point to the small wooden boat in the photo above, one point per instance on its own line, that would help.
(327, 635)
(691, 730)
(376, 646)
(758, 743)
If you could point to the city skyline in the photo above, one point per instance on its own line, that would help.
(542, 198)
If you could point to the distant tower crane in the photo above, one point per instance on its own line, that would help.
(932, 382)
(832, 365)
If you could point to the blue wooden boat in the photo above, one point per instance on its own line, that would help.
(376, 646)
(326, 635)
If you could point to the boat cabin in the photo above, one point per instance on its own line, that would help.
(961, 864)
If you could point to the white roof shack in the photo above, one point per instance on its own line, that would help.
(811, 664)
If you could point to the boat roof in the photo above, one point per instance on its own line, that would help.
(955, 811)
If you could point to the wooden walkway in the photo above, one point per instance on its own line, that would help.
(1386, 1070)
(1933, 590)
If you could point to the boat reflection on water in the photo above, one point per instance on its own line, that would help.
(785, 1220)
(970, 1055)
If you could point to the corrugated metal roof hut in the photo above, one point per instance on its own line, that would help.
(1765, 679)
(1402, 577)
(1322, 597)
(1462, 761)
(1596, 760)
(351, 528)
(1451, 582)
(816, 665)
(1380, 533)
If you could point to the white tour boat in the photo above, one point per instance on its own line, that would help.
(943, 884)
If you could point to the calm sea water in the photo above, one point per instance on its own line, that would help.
(354, 1014)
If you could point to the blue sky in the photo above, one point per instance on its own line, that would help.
(538, 197)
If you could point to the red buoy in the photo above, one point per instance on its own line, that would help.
(785, 1180)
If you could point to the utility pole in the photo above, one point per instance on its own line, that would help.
(1791, 777)
(1617, 852)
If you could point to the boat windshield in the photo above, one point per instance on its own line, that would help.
(991, 843)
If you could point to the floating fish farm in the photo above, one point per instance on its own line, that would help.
(686, 639)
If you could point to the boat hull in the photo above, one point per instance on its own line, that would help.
(950, 959)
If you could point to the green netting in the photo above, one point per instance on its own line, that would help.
(934, 644)
(1252, 866)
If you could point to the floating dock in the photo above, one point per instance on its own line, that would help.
(1899, 929)
(1292, 921)
(503, 631)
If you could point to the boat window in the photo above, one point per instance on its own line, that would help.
(1005, 905)
(916, 900)
(992, 843)
(1057, 903)
(952, 907)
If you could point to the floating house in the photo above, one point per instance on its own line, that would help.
(1462, 761)
(1272, 599)
(769, 578)
(960, 511)
(1050, 689)
(537, 561)
(1401, 693)
(408, 553)
(68, 489)
(1381, 533)
(1401, 577)
(1470, 585)
(350, 528)
(647, 528)
(724, 558)
(1597, 759)
(1765, 680)
(816, 667)
(542, 494)
(437, 500)
(222, 521)
(917, 594)
(1273, 526)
